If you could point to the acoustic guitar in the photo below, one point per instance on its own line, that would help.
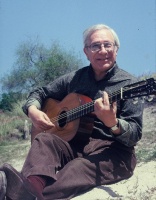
(74, 114)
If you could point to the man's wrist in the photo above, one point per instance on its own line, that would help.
(31, 109)
(116, 130)
(115, 127)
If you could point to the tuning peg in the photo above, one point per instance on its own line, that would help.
(149, 98)
(142, 99)
(135, 100)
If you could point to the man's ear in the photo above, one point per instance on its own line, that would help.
(116, 50)
(86, 52)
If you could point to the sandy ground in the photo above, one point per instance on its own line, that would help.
(141, 186)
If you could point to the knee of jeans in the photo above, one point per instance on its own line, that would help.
(80, 165)
(51, 140)
(81, 170)
(46, 136)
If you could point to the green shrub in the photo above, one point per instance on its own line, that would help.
(11, 121)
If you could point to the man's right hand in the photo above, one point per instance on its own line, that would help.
(39, 119)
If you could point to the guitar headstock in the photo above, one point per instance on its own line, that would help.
(143, 88)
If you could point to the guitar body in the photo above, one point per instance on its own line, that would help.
(56, 111)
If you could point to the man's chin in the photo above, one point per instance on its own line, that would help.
(106, 67)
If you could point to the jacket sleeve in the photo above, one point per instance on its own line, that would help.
(56, 90)
(130, 121)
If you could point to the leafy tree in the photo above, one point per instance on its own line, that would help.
(37, 65)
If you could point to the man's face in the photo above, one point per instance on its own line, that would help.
(101, 60)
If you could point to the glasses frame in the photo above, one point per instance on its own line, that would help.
(111, 48)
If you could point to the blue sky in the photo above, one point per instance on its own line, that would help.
(65, 20)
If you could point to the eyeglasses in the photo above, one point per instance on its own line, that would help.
(109, 46)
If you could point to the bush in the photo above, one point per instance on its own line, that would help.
(12, 123)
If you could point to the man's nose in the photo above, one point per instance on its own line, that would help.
(103, 50)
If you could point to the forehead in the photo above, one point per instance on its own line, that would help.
(101, 36)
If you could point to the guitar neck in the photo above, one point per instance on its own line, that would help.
(138, 89)
(80, 111)
(87, 108)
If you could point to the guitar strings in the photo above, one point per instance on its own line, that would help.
(83, 107)
(90, 104)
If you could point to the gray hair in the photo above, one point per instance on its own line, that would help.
(89, 31)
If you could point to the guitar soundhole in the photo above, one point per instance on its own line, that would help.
(62, 119)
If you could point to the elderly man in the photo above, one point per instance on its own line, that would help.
(92, 133)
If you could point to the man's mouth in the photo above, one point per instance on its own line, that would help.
(102, 59)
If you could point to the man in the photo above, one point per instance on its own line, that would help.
(59, 169)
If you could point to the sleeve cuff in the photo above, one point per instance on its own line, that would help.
(124, 136)
(30, 103)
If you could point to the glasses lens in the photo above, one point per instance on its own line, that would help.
(108, 46)
(97, 46)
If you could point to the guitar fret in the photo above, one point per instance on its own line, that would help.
(80, 111)
(127, 92)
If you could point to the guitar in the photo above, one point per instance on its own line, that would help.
(74, 114)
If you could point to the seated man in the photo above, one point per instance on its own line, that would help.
(61, 165)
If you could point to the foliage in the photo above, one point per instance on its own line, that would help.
(37, 65)
(149, 75)
(17, 109)
(146, 147)
(12, 123)
(9, 99)
(6, 102)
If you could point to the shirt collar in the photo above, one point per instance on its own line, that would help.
(109, 74)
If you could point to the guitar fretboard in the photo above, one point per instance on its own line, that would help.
(80, 111)
(142, 88)
(87, 108)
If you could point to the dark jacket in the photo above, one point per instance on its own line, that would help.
(83, 82)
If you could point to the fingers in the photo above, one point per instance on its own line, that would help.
(114, 106)
(105, 111)
(105, 99)
(45, 122)
(106, 102)
(41, 120)
(102, 102)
